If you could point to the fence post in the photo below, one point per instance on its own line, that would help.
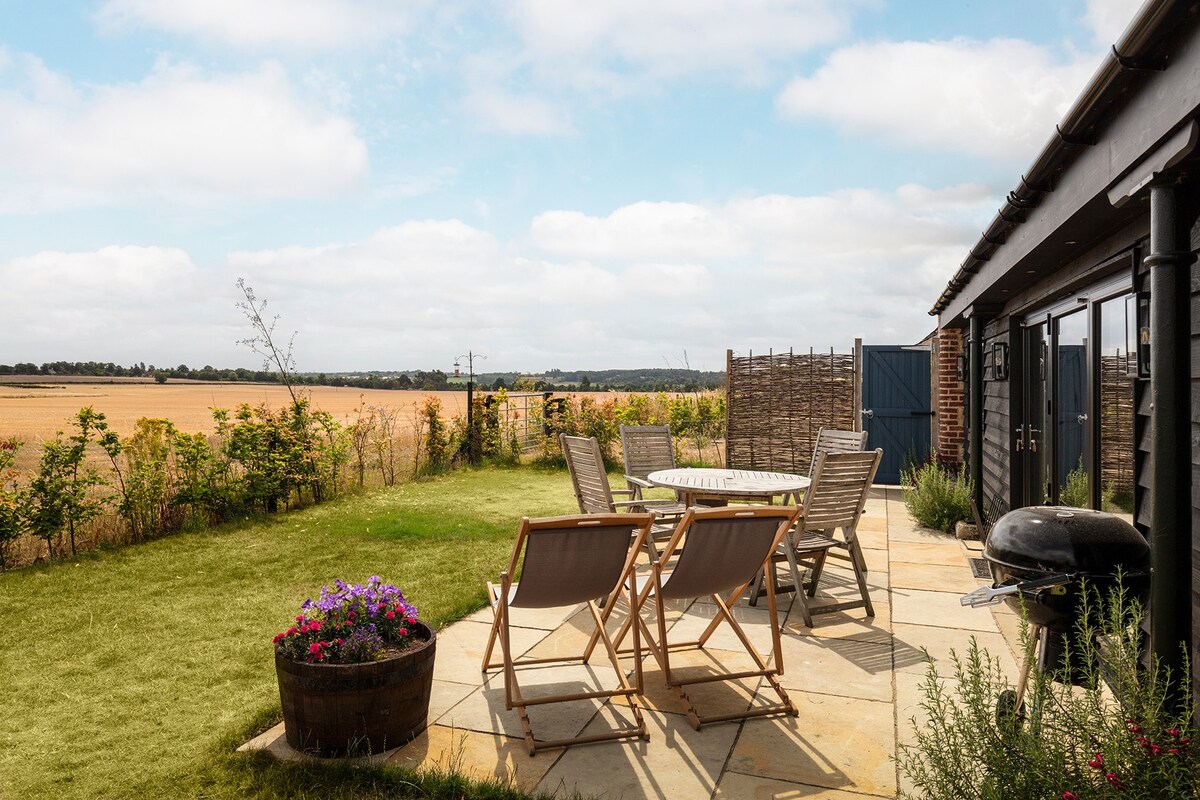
(858, 387)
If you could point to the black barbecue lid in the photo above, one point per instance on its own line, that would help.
(1061, 539)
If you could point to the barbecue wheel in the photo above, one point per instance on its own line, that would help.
(1009, 715)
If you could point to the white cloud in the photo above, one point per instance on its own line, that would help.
(492, 108)
(180, 133)
(640, 285)
(999, 98)
(673, 37)
(122, 304)
(308, 24)
(1109, 18)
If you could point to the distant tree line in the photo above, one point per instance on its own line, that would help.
(622, 380)
(433, 381)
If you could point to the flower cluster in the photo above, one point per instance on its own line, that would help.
(1172, 744)
(349, 624)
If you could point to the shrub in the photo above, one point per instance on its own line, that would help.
(937, 496)
(349, 624)
(1131, 738)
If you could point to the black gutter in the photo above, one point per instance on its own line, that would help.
(1123, 64)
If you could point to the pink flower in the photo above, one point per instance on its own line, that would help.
(315, 648)
(390, 615)
(403, 631)
(315, 625)
(1155, 749)
(1133, 726)
(1111, 777)
(300, 618)
(278, 636)
(1069, 795)
(1097, 762)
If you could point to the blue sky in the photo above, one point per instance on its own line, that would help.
(551, 183)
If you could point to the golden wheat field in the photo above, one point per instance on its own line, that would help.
(34, 410)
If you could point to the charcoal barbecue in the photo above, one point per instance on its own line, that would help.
(1038, 557)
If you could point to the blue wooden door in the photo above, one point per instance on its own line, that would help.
(896, 406)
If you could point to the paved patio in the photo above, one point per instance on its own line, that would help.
(855, 682)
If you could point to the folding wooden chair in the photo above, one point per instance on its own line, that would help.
(726, 548)
(565, 561)
(589, 479)
(835, 500)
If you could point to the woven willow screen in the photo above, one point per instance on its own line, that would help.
(776, 404)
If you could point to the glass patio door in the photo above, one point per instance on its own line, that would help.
(1075, 434)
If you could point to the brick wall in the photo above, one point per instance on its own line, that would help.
(951, 419)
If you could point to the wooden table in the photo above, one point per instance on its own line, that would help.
(692, 484)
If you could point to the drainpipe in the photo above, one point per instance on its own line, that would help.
(1170, 434)
(975, 403)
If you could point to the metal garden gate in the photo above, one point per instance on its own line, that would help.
(896, 406)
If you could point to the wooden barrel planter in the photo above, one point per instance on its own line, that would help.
(341, 709)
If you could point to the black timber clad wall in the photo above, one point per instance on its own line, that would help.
(1195, 431)
(997, 416)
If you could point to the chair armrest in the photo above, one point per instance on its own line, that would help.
(635, 481)
(626, 492)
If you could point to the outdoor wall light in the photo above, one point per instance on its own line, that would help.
(1143, 334)
(1000, 361)
(960, 369)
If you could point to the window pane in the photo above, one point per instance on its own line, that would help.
(1118, 366)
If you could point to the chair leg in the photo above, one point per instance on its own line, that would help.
(491, 642)
(860, 575)
(818, 567)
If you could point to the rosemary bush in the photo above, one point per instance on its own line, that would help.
(1130, 736)
(937, 496)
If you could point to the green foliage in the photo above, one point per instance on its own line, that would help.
(12, 500)
(937, 496)
(696, 419)
(136, 673)
(1075, 492)
(1129, 738)
(60, 495)
(144, 480)
(437, 439)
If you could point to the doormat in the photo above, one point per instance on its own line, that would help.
(980, 568)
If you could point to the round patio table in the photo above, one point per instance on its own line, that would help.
(696, 483)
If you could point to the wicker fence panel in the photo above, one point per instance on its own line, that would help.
(776, 403)
(1116, 423)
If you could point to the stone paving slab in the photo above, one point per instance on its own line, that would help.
(855, 681)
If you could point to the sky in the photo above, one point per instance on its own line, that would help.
(563, 184)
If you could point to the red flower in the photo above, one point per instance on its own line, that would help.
(1097, 762)
(278, 636)
(390, 615)
(1111, 777)
(403, 631)
(314, 626)
(1172, 731)
(315, 648)
(1069, 795)
(1134, 727)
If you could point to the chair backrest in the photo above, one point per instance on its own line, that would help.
(838, 492)
(588, 476)
(830, 440)
(647, 449)
(569, 560)
(726, 547)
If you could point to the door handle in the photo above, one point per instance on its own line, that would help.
(867, 412)
(1082, 418)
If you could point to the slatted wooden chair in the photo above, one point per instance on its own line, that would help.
(647, 448)
(726, 548)
(565, 561)
(834, 501)
(589, 479)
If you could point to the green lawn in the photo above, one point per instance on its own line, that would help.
(133, 673)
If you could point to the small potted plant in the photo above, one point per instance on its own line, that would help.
(355, 670)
